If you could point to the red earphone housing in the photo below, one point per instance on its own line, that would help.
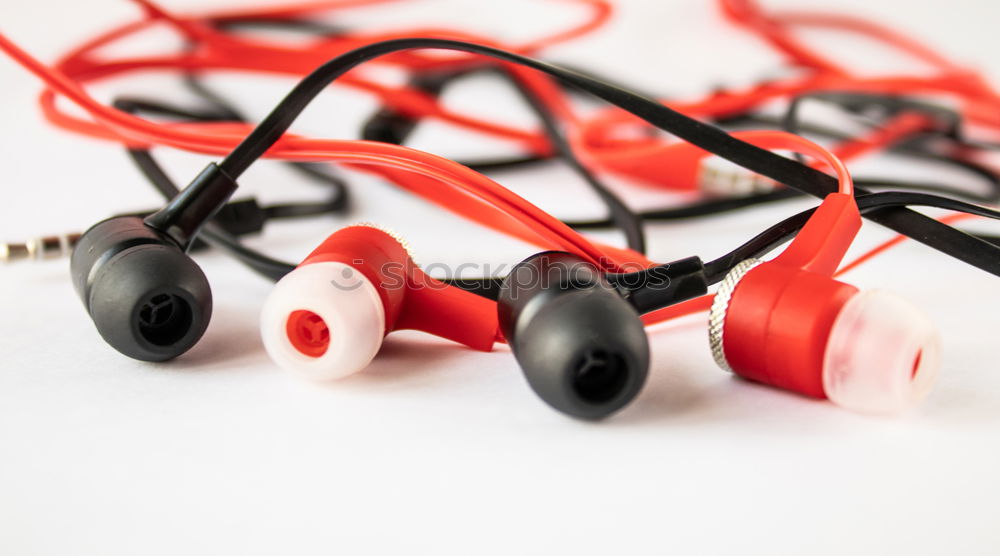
(412, 299)
(781, 312)
(327, 318)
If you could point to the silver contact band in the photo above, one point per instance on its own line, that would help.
(720, 306)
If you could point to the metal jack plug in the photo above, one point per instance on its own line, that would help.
(39, 248)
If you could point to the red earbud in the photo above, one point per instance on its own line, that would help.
(326, 319)
(789, 324)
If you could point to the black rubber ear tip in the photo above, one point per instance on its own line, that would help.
(148, 299)
(581, 346)
(151, 302)
(585, 354)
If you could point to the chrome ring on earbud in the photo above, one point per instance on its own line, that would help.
(720, 306)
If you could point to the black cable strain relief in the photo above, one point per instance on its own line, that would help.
(241, 218)
(663, 285)
(183, 217)
(389, 126)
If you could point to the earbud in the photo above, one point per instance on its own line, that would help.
(580, 344)
(327, 318)
(147, 297)
(789, 324)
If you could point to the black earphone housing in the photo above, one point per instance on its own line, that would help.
(580, 344)
(146, 296)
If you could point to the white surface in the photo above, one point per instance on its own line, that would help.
(434, 449)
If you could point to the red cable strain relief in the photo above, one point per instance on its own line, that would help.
(411, 299)
(826, 237)
(449, 312)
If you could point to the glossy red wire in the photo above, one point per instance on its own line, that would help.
(440, 180)
(467, 192)
(947, 77)
(217, 51)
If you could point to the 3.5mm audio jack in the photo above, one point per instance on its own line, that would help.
(39, 248)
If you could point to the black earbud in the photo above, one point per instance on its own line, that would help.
(580, 344)
(147, 297)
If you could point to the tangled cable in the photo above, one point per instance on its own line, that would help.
(587, 357)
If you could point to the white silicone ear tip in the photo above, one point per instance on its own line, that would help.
(883, 355)
(323, 321)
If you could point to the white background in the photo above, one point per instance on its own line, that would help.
(434, 449)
